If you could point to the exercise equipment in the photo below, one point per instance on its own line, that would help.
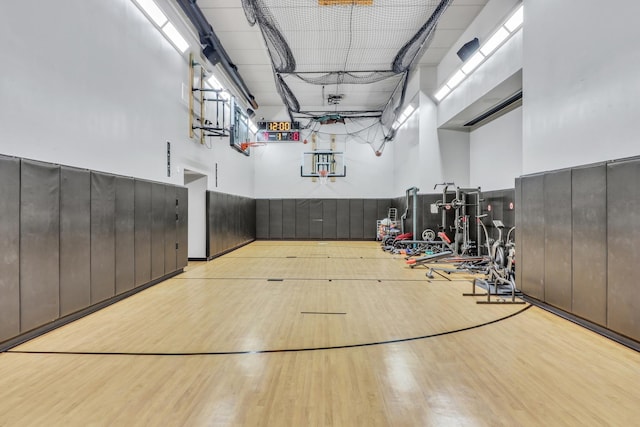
(463, 243)
(499, 280)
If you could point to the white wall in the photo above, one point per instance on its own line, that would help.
(581, 86)
(496, 152)
(277, 171)
(95, 85)
(454, 156)
(406, 155)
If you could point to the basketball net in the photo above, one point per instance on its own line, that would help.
(245, 145)
(323, 175)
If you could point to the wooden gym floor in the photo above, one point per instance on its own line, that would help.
(317, 334)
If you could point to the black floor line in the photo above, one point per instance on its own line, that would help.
(331, 279)
(286, 350)
(310, 257)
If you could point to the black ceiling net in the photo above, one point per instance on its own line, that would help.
(345, 59)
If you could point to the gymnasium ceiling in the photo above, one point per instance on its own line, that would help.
(246, 47)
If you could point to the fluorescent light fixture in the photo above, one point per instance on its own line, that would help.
(252, 127)
(473, 62)
(409, 109)
(495, 41)
(444, 91)
(213, 81)
(395, 125)
(153, 11)
(456, 79)
(176, 38)
(516, 20)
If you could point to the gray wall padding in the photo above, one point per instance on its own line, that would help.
(356, 219)
(342, 219)
(39, 244)
(125, 234)
(72, 238)
(142, 232)
(302, 218)
(289, 219)
(623, 231)
(9, 247)
(232, 221)
(103, 237)
(75, 239)
(157, 230)
(329, 219)
(589, 243)
(170, 229)
(532, 263)
(580, 266)
(262, 219)
(275, 219)
(520, 255)
(369, 218)
(557, 248)
(182, 256)
(315, 219)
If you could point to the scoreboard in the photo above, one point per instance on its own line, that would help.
(278, 131)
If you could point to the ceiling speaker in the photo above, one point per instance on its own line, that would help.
(468, 49)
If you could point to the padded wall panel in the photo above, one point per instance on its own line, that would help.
(275, 219)
(103, 237)
(170, 229)
(39, 244)
(75, 240)
(329, 219)
(220, 227)
(532, 260)
(518, 223)
(9, 247)
(214, 239)
(356, 219)
(182, 256)
(557, 251)
(223, 214)
(315, 219)
(262, 219)
(125, 234)
(342, 219)
(251, 219)
(508, 214)
(157, 230)
(383, 208)
(623, 231)
(589, 243)
(302, 218)
(142, 232)
(369, 218)
(289, 219)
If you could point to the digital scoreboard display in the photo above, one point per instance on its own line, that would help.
(278, 131)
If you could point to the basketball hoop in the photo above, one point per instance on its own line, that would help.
(323, 175)
(245, 145)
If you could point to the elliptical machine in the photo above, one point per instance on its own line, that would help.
(500, 276)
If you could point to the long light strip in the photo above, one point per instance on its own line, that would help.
(175, 37)
(153, 11)
(404, 116)
(155, 14)
(497, 39)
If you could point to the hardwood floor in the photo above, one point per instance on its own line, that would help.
(317, 334)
